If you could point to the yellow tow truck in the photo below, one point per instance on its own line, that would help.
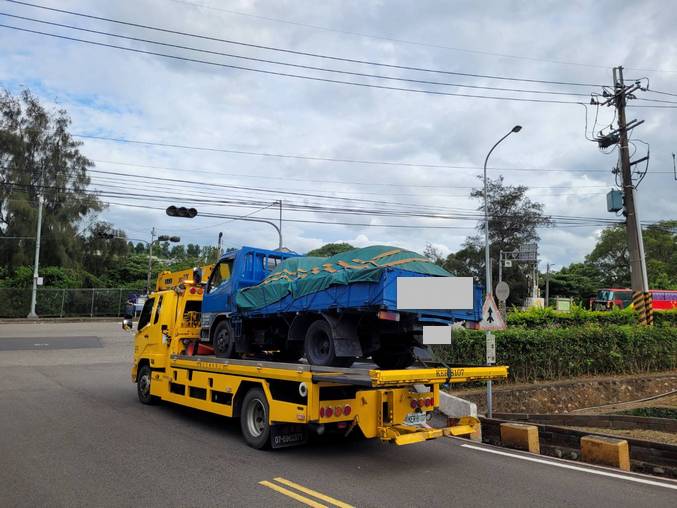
(278, 404)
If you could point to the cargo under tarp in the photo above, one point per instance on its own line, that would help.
(301, 276)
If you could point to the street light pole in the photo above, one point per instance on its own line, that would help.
(487, 263)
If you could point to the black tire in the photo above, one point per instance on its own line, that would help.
(319, 347)
(224, 341)
(143, 380)
(255, 419)
(395, 359)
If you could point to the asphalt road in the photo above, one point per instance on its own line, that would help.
(73, 434)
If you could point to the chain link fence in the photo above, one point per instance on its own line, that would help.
(57, 302)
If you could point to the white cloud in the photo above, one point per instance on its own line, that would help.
(135, 96)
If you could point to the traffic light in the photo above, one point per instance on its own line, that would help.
(187, 213)
(167, 238)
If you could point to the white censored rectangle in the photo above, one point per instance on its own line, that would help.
(434, 293)
(437, 335)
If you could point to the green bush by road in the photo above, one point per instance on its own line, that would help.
(533, 318)
(561, 352)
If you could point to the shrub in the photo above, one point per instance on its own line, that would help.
(560, 352)
(536, 318)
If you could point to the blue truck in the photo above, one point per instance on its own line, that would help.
(328, 310)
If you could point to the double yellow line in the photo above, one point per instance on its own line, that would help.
(303, 499)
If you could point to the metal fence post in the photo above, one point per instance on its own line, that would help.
(119, 303)
(63, 301)
(91, 312)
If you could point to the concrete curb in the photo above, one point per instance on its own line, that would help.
(20, 321)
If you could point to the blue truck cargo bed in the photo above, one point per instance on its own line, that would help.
(380, 295)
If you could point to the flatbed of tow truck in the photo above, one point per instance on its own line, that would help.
(278, 404)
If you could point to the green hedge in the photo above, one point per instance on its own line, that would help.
(553, 353)
(548, 317)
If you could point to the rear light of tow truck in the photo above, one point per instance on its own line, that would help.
(328, 412)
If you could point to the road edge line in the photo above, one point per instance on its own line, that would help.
(575, 468)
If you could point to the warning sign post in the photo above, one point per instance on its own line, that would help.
(491, 316)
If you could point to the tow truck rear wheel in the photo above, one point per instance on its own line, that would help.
(224, 341)
(143, 380)
(254, 419)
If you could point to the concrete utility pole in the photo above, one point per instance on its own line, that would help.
(547, 284)
(280, 230)
(638, 276)
(36, 261)
(150, 258)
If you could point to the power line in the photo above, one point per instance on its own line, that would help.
(288, 74)
(298, 66)
(461, 214)
(409, 42)
(305, 53)
(325, 181)
(329, 159)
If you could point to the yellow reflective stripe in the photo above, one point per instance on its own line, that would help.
(314, 493)
(293, 495)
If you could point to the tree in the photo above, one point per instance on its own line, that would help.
(611, 259)
(433, 254)
(514, 220)
(330, 249)
(193, 250)
(38, 156)
(103, 248)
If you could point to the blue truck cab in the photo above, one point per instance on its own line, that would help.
(331, 327)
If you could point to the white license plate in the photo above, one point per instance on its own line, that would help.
(415, 419)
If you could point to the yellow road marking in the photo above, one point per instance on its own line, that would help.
(314, 493)
(293, 495)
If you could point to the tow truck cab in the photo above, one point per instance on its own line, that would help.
(168, 315)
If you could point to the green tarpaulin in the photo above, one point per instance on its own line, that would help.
(305, 275)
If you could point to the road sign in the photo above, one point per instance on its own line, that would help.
(507, 263)
(491, 317)
(502, 291)
(491, 349)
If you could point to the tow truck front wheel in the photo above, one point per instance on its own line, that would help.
(143, 380)
(254, 419)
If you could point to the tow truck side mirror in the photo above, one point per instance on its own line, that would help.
(127, 325)
(197, 276)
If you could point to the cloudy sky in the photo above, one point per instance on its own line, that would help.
(438, 141)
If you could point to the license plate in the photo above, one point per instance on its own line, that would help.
(415, 419)
(285, 435)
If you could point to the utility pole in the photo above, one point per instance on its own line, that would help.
(638, 276)
(280, 230)
(150, 258)
(547, 284)
(36, 261)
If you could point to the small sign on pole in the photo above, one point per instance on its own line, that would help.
(491, 349)
(491, 316)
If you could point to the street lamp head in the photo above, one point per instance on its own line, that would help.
(517, 128)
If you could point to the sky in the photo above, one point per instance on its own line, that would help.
(425, 150)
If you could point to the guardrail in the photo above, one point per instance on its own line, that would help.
(60, 302)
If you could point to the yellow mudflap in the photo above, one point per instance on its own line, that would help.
(408, 434)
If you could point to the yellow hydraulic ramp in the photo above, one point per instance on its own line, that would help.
(408, 434)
